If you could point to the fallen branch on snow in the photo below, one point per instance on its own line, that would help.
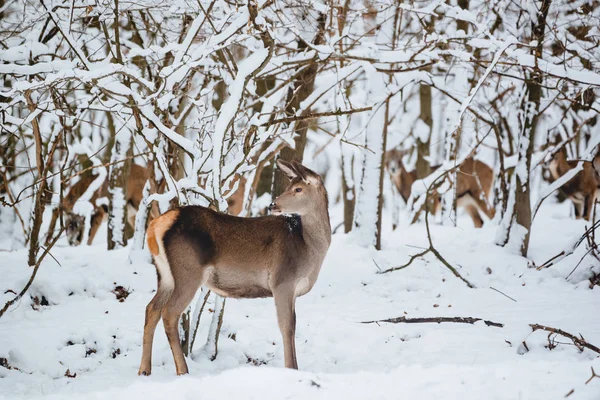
(459, 320)
(579, 342)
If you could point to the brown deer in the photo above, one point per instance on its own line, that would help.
(584, 188)
(474, 181)
(75, 223)
(278, 255)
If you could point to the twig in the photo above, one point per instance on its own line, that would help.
(294, 118)
(565, 253)
(503, 294)
(549, 263)
(35, 270)
(594, 375)
(438, 320)
(434, 250)
(579, 342)
(412, 258)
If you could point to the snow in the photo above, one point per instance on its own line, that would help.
(339, 356)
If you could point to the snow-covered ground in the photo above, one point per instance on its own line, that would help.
(86, 331)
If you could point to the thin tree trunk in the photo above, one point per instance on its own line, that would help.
(518, 221)
(215, 327)
(423, 167)
(348, 190)
(302, 88)
(117, 186)
(39, 203)
(367, 218)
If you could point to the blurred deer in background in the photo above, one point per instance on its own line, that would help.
(584, 188)
(75, 223)
(278, 255)
(474, 181)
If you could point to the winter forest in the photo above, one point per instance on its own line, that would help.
(435, 163)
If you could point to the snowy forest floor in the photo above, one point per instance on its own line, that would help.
(86, 331)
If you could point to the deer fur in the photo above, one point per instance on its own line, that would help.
(584, 188)
(277, 256)
(474, 181)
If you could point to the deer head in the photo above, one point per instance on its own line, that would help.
(74, 228)
(303, 192)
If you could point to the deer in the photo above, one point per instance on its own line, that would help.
(278, 255)
(75, 223)
(474, 181)
(584, 188)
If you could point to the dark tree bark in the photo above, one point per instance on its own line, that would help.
(423, 167)
(531, 112)
(302, 88)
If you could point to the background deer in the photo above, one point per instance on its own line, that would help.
(75, 223)
(584, 188)
(474, 181)
(278, 255)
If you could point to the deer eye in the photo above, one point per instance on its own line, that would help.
(298, 190)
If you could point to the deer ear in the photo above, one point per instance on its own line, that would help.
(596, 164)
(287, 168)
(306, 174)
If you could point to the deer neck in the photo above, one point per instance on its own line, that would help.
(559, 166)
(316, 229)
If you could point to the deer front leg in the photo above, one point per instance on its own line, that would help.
(285, 299)
(588, 206)
(578, 207)
(95, 223)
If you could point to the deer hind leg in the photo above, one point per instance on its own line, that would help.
(285, 299)
(474, 213)
(179, 300)
(153, 314)
(468, 203)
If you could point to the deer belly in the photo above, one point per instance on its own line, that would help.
(249, 285)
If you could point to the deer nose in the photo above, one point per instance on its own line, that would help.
(271, 206)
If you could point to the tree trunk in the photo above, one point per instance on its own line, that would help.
(423, 167)
(348, 190)
(302, 88)
(215, 327)
(521, 213)
(367, 218)
(117, 186)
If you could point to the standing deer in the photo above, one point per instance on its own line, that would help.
(278, 255)
(584, 188)
(474, 181)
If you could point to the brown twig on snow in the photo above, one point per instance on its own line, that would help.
(459, 320)
(431, 248)
(579, 342)
(549, 263)
(35, 270)
(502, 293)
(594, 375)
(412, 258)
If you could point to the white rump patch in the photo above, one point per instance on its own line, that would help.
(164, 269)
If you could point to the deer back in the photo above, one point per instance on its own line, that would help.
(585, 182)
(475, 178)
